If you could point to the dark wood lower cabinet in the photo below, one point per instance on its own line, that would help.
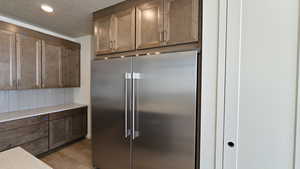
(19, 136)
(37, 147)
(40, 134)
(78, 125)
(58, 133)
(67, 126)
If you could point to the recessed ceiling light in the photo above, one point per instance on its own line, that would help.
(47, 8)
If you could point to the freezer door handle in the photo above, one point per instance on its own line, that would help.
(135, 132)
(127, 77)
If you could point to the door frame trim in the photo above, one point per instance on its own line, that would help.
(297, 115)
(213, 83)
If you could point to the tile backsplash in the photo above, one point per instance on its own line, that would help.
(28, 99)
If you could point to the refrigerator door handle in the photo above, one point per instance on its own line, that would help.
(133, 108)
(135, 133)
(127, 77)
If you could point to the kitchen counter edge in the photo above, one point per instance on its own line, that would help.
(22, 114)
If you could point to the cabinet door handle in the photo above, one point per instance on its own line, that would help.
(14, 83)
(161, 36)
(114, 44)
(110, 45)
(166, 36)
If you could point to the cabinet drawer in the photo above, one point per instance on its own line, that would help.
(37, 147)
(78, 111)
(19, 136)
(66, 113)
(23, 122)
(60, 115)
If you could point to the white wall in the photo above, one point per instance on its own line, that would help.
(14, 100)
(32, 27)
(82, 94)
(261, 84)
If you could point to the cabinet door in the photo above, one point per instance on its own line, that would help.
(37, 147)
(51, 66)
(7, 60)
(65, 66)
(77, 128)
(71, 67)
(103, 35)
(58, 132)
(149, 24)
(74, 68)
(123, 30)
(181, 21)
(28, 62)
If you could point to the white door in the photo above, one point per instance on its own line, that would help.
(261, 84)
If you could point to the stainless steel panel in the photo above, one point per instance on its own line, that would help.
(165, 112)
(111, 148)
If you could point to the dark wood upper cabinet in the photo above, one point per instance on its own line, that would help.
(7, 60)
(28, 62)
(181, 21)
(74, 67)
(65, 58)
(166, 22)
(116, 32)
(149, 24)
(51, 65)
(70, 67)
(123, 30)
(103, 35)
(158, 23)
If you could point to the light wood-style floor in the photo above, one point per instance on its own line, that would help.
(74, 156)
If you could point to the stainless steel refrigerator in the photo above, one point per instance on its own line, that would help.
(144, 112)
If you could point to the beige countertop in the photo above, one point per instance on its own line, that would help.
(18, 158)
(9, 116)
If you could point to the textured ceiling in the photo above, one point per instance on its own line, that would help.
(71, 17)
